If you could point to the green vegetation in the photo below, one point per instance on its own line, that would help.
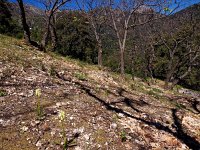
(75, 38)
(39, 109)
(123, 136)
(61, 117)
(180, 106)
(157, 90)
(7, 24)
(146, 56)
(2, 93)
(154, 94)
(52, 71)
(131, 87)
(80, 76)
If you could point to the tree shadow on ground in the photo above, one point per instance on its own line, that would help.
(128, 102)
(180, 134)
(70, 143)
(195, 104)
(191, 142)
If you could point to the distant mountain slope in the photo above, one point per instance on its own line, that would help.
(185, 13)
(34, 15)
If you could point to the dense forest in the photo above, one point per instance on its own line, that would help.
(145, 39)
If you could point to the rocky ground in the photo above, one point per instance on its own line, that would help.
(102, 111)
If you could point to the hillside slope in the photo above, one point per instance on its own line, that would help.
(102, 111)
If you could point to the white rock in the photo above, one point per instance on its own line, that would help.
(24, 128)
(30, 93)
(4, 122)
(113, 126)
(87, 137)
(1, 121)
(184, 147)
(22, 122)
(121, 115)
(53, 132)
(34, 123)
(39, 144)
(78, 148)
(58, 104)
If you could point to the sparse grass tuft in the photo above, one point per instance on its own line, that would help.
(177, 88)
(2, 93)
(115, 118)
(123, 136)
(180, 106)
(52, 71)
(157, 90)
(80, 76)
(39, 109)
(100, 136)
(154, 94)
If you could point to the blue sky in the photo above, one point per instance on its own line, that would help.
(72, 5)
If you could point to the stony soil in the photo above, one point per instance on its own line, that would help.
(102, 110)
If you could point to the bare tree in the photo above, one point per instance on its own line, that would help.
(182, 52)
(51, 7)
(150, 41)
(127, 14)
(93, 10)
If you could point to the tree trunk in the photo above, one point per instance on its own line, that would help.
(45, 38)
(150, 63)
(47, 32)
(122, 66)
(100, 55)
(53, 37)
(27, 34)
(170, 72)
(99, 42)
(133, 62)
(175, 82)
(100, 49)
(167, 80)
